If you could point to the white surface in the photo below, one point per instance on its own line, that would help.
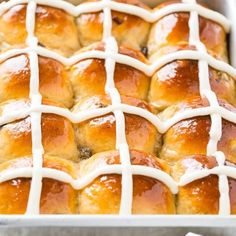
(116, 232)
(119, 221)
(192, 234)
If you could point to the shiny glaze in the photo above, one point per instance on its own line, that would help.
(191, 136)
(173, 29)
(179, 80)
(140, 133)
(54, 28)
(129, 30)
(186, 138)
(57, 197)
(88, 78)
(122, 185)
(14, 196)
(14, 21)
(149, 195)
(137, 158)
(51, 21)
(200, 196)
(15, 80)
(58, 137)
(202, 193)
(100, 46)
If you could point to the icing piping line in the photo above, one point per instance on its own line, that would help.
(216, 119)
(33, 205)
(162, 126)
(123, 59)
(111, 47)
(202, 64)
(200, 174)
(147, 15)
(80, 183)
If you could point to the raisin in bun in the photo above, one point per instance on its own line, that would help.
(173, 31)
(129, 30)
(89, 76)
(179, 79)
(99, 134)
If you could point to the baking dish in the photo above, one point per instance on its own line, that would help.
(226, 7)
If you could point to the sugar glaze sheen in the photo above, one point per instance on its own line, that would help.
(111, 56)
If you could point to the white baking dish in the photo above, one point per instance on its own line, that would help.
(226, 7)
(118, 221)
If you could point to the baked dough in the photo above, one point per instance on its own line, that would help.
(116, 125)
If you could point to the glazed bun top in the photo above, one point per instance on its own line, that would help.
(129, 30)
(61, 36)
(113, 107)
(173, 31)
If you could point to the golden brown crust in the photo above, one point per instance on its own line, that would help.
(58, 136)
(54, 83)
(232, 187)
(129, 30)
(201, 196)
(191, 136)
(12, 24)
(100, 46)
(56, 197)
(149, 196)
(55, 29)
(89, 76)
(175, 84)
(179, 80)
(173, 30)
(99, 134)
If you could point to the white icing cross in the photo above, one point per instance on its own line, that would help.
(111, 57)
(123, 59)
(216, 119)
(149, 16)
(33, 205)
(121, 143)
(82, 182)
(162, 126)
